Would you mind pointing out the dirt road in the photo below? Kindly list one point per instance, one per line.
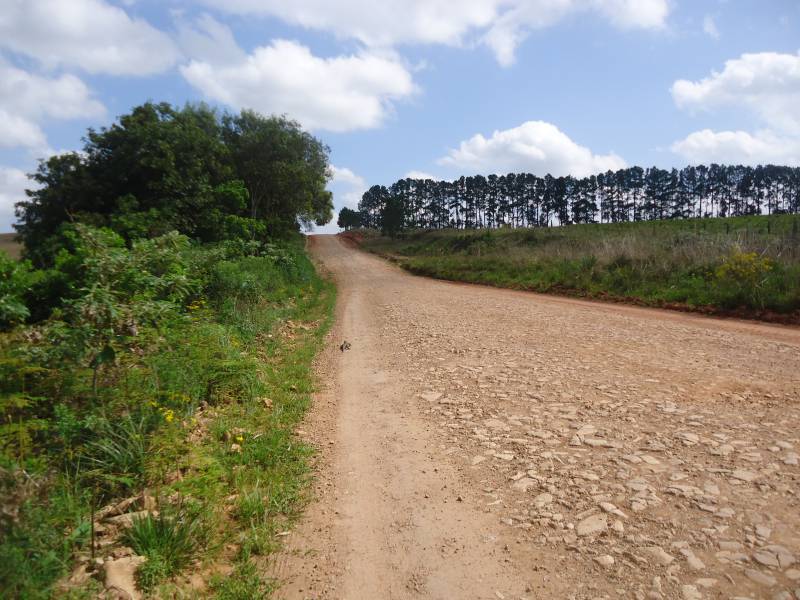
(485, 443)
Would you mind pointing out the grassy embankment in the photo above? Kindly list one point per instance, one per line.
(192, 413)
(747, 266)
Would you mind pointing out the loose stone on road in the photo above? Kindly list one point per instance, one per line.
(486, 443)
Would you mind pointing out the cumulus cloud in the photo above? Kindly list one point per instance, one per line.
(342, 93)
(26, 99)
(739, 147)
(535, 146)
(500, 24)
(766, 84)
(89, 34)
(13, 183)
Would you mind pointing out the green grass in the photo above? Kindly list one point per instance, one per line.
(235, 369)
(746, 265)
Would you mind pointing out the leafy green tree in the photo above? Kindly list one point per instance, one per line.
(284, 168)
(161, 169)
(349, 218)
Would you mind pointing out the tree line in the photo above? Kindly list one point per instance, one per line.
(527, 200)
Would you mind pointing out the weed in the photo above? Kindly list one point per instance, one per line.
(243, 584)
(169, 542)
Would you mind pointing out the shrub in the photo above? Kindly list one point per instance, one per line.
(169, 542)
(15, 279)
(742, 276)
(114, 460)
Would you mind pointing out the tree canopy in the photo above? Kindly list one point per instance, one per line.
(191, 170)
(349, 218)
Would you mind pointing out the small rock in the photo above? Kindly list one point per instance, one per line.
(706, 582)
(612, 509)
(744, 475)
(690, 592)
(658, 554)
(120, 575)
(592, 525)
(774, 556)
(604, 560)
(688, 438)
(760, 578)
(695, 564)
(524, 484)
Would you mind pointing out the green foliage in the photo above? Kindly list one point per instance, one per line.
(745, 263)
(15, 279)
(34, 549)
(745, 275)
(349, 218)
(392, 217)
(161, 169)
(168, 541)
(113, 461)
(168, 265)
(214, 341)
(243, 584)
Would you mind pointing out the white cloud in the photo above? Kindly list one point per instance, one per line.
(739, 147)
(766, 84)
(90, 34)
(419, 175)
(210, 41)
(13, 183)
(17, 131)
(26, 99)
(535, 146)
(513, 25)
(501, 24)
(342, 93)
(64, 97)
(347, 187)
(710, 27)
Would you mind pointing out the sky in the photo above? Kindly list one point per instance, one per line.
(420, 88)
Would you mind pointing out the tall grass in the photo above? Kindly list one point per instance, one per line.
(746, 264)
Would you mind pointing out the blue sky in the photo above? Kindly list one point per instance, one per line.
(418, 86)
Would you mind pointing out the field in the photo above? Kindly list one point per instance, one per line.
(748, 266)
(8, 245)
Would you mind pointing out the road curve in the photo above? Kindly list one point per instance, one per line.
(486, 443)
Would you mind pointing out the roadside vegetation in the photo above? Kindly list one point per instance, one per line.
(748, 266)
(156, 342)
